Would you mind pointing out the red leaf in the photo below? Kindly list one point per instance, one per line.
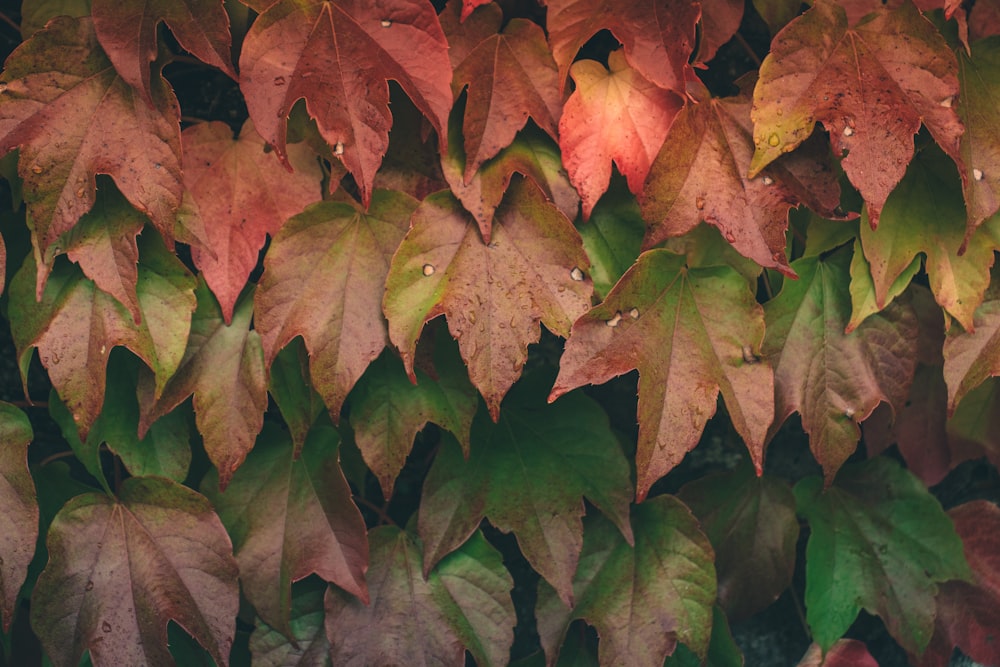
(469, 6)
(844, 653)
(979, 107)
(720, 19)
(19, 521)
(871, 86)
(972, 356)
(339, 56)
(612, 115)
(127, 31)
(241, 194)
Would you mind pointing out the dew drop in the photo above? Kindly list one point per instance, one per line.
(339, 148)
(3, 87)
(634, 313)
(561, 289)
(279, 80)
(730, 236)
(778, 112)
(79, 193)
(472, 317)
(106, 626)
(613, 322)
(848, 131)
(767, 180)
(576, 274)
(749, 356)
(699, 203)
(385, 23)
(89, 586)
(104, 348)
(946, 102)
(977, 174)
(281, 113)
(849, 413)
(773, 140)
(157, 165)
(36, 169)
(428, 269)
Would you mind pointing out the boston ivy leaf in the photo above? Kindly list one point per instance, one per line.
(34, 15)
(242, 194)
(19, 519)
(879, 541)
(74, 117)
(614, 115)
(871, 86)
(324, 277)
(667, 580)
(509, 75)
(843, 653)
(127, 31)
(658, 36)
(465, 601)
(528, 475)
(832, 379)
(495, 295)
(751, 524)
(979, 109)
(412, 164)
(223, 366)
(720, 19)
(339, 56)
(866, 298)
(973, 355)
(974, 427)
(308, 645)
(697, 331)
(120, 569)
(291, 388)
(722, 649)
(612, 237)
(289, 518)
(387, 412)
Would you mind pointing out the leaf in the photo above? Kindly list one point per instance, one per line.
(75, 326)
(387, 412)
(613, 115)
(979, 109)
(843, 653)
(339, 56)
(751, 524)
(973, 428)
(34, 15)
(871, 86)
(242, 194)
(19, 519)
(119, 570)
(324, 277)
(722, 649)
(667, 580)
(878, 541)
(223, 367)
(73, 117)
(865, 297)
(833, 379)
(290, 385)
(924, 214)
(127, 31)
(612, 238)
(528, 475)
(289, 518)
(720, 20)
(308, 646)
(495, 295)
(658, 36)
(508, 76)
(696, 330)
(465, 601)
(972, 356)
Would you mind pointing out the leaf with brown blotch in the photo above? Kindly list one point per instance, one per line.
(291, 517)
(494, 296)
(127, 31)
(73, 117)
(658, 35)
(242, 193)
(979, 108)
(19, 519)
(120, 569)
(871, 86)
(614, 115)
(696, 331)
(324, 278)
(843, 653)
(339, 57)
(508, 76)
(834, 380)
(223, 367)
(464, 603)
(974, 355)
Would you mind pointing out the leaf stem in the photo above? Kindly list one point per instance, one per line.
(749, 50)
(384, 518)
(6, 19)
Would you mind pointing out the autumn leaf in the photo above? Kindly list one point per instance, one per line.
(613, 115)
(887, 543)
(73, 117)
(223, 367)
(508, 76)
(974, 427)
(289, 518)
(871, 86)
(19, 519)
(720, 20)
(494, 296)
(324, 278)
(528, 475)
(242, 193)
(658, 36)
(722, 649)
(612, 237)
(973, 355)
(843, 653)
(120, 569)
(127, 31)
(834, 380)
(308, 646)
(979, 109)
(464, 602)
(290, 385)
(697, 331)
(666, 579)
(338, 56)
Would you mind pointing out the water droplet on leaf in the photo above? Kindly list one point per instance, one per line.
(472, 317)
(730, 236)
(848, 131)
(749, 356)
(428, 269)
(279, 80)
(699, 203)
(613, 322)
(385, 23)
(339, 148)
(977, 174)
(767, 180)
(576, 274)
(946, 102)
(36, 169)
(634, 313)
(773, 140)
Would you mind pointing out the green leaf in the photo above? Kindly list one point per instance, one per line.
(612, 237)
(979, 108)
(290, 386)
(464, 602)
(722, 649)
(308, 645)
(19, 518)
(528, 474)
(973, 355)
(879, 541)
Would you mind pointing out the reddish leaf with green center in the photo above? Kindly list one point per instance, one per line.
(242, 194)
(120, 569)
(495, 295)
(127, 31)
(339, 57)
(871, 86)
(308, 645)
(843, 653)
(979, 108)
(49, 84)
(696, 331)
(19, 520)
(972, 356)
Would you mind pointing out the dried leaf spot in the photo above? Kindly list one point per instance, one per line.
(79, 193)
(977, 174)
(767, 180)
(576, 274)
(634, 313)
(106, 626)
(339, 148)
(428, 269)
(613, 322)
(848, 131)
(385, 23)
(36, 169)
(749, 356)
(699, 203)
(730, 236)
(773, 140)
